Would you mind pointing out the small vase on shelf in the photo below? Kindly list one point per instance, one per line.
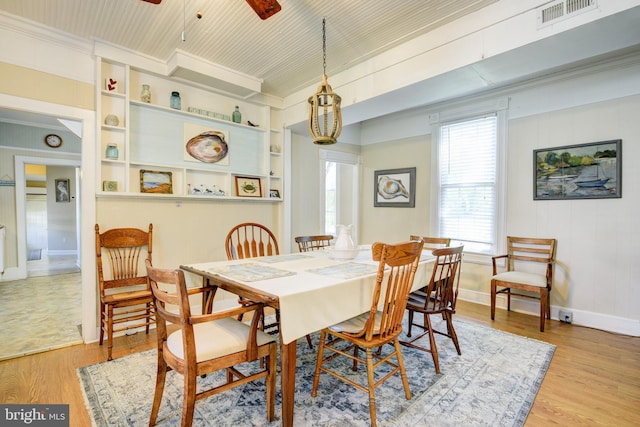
(175, 101)
(112, 152)
(236, 116)
(145, 95)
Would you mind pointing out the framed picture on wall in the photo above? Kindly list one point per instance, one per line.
(158, 182)
(62, 190)
(247, 186)
(395, 188)
(583, 171)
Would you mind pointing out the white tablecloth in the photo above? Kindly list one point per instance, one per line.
(314, 290)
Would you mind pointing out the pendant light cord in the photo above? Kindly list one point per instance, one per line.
(324, 47)
(184, 20)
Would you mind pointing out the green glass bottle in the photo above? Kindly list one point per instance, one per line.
(236, 116)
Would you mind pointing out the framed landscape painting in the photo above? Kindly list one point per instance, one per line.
(584, 171)
(156, 182)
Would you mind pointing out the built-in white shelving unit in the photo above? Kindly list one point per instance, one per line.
(152, 137)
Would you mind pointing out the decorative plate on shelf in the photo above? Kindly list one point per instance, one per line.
(208, 147)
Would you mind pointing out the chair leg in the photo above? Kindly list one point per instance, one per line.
(189, 401)
(354, 368)
(271, 382)
(309, 342)
(403, 372)
(432, 346)
(452, 331)
(543, 308)
(410, 323)
(316, 374)
(161, 375)
(109, 331)
(372, 387)
(548, 293)
(102, 322)
(148, 318)
(493, 299)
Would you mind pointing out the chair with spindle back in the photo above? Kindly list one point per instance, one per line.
(433, 242)
(381, 325)
(439, 297)
(313, 243)
(251, 240)
(125, 296)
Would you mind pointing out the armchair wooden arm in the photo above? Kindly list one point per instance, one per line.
(493, 262)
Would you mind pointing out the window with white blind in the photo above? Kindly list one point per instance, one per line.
(468, 182)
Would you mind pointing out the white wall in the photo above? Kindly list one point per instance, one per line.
(598, 240)
(187, 230)
(306, 210)
(387, 224)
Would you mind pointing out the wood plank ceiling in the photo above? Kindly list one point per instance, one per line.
(284, 50)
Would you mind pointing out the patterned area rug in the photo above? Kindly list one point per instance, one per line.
(493, 383)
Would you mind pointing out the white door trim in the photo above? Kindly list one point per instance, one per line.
(87, 197)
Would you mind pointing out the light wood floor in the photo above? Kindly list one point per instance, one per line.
(593, 380)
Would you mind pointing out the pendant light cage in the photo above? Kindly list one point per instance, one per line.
(325, 117)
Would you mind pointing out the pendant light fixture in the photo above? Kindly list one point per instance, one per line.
(325, 117)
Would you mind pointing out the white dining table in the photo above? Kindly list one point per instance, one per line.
(312, 290)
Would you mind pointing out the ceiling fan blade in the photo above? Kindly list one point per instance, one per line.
(153, 1)
(265, 8)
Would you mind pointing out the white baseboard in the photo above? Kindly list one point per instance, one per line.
(62, 252)
(10, 273)
(605, 322)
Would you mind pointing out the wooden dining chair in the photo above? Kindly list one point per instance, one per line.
(523, 255)
(250, 240)
(439, 297)
(432, 242)
(206, 343)
(313, 243)
(125, 296)
(379, 326)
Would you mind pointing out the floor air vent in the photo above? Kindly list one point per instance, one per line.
(563, 9)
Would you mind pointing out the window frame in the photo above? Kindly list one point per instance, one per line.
(499, 108)
(348, 159)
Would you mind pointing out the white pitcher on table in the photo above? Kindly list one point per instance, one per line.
(344, 240)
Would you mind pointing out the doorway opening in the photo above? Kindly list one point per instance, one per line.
(85, 164)
(339, 191)
(51, 228)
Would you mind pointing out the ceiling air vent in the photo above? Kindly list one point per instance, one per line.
(563, 9)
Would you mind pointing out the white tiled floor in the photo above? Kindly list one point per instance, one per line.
(52, 264)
